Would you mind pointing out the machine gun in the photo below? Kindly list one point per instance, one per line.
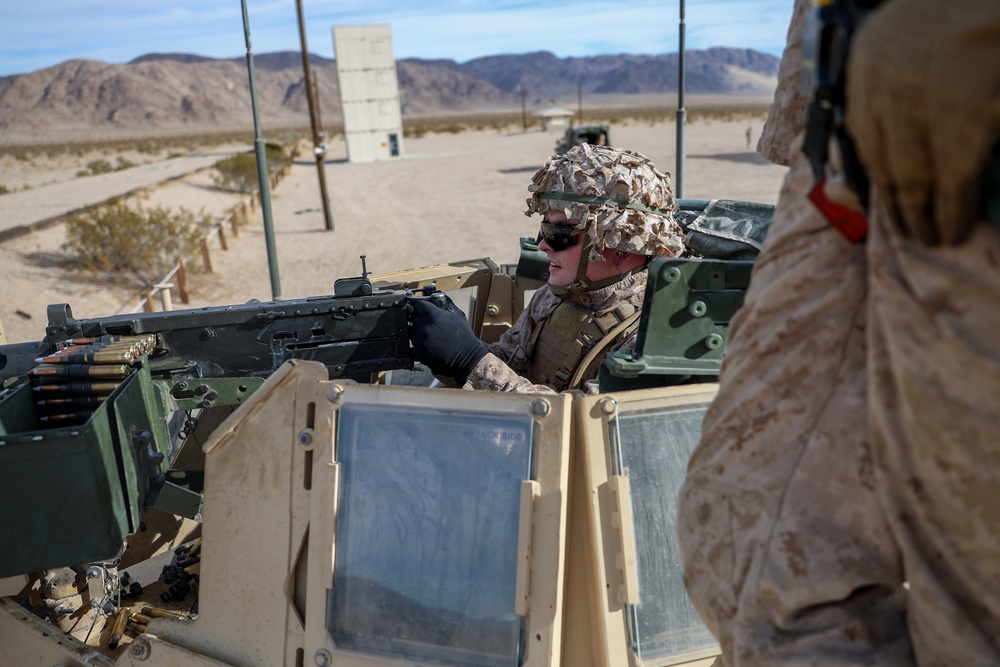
(354, 332)
(106, 433)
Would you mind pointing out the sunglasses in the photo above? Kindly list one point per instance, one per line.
(559, 237)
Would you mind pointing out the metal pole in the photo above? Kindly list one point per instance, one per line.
(524, 111)
(262, 175)
(681, 115)
(319, 148)
(579, 102)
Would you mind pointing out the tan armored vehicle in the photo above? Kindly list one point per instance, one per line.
(256, 485)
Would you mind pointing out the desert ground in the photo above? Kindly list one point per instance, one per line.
(453, 197)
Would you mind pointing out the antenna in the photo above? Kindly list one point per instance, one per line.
(681, 115)
(262, 175)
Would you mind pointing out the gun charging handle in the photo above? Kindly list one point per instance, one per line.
(431, 293)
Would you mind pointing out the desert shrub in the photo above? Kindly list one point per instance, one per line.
(94, 167)
(239, 172)
(102, 166)
(144, 243)
(4, 189)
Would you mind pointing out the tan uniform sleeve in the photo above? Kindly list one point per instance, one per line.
(787, 115)
(492, 374)
(923, 91)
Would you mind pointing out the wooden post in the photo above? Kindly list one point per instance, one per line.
(232, 223)
(182, 288)
(222, 238)
(147, 302)
(205, 256)
(165, 296)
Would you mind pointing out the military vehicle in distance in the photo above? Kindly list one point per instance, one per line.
(577, 135)
(255, 484)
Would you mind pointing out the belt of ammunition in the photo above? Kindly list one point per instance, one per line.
(135, 628)
(139, 618)
(77, 401)
(164, 613)
(119, 627)
(103, 356)
(78, 387)
(116, 371)
(81, 416)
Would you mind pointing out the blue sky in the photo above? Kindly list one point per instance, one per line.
(34, 35)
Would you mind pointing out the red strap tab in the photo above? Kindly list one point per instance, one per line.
(849, 222)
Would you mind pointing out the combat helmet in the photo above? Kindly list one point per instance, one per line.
(619, 198)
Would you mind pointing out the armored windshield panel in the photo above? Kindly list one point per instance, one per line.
(637, 446)
(430, 526)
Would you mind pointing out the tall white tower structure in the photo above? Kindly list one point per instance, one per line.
(369, 92)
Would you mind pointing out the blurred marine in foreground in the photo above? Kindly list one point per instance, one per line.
(852, 446)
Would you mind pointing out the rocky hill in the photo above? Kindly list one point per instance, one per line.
(163, 91)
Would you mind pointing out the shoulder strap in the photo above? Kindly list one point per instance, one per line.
(601, 345)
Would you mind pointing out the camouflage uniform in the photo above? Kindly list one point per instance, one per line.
(786, 552)
(787, 115)
(500, 369)
(929, 73)
(853, 443)
(619, 201)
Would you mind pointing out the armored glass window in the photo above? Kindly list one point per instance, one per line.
(651, 448)
(427, 533)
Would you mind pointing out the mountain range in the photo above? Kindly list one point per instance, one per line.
(169, 90)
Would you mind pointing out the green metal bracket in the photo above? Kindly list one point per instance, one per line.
(192, 393)
(684, 325)
(176, 499)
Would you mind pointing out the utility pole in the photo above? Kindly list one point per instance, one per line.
(524, 112)
(681, 115)
(579, 102)
(319, 148)
(262, 175)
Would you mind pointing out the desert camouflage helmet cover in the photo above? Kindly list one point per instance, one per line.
(618, 196)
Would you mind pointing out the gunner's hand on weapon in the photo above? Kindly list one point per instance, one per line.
(923, 111)
(434, 295)
(442, 337)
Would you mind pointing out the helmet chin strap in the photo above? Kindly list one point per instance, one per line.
(583, 284)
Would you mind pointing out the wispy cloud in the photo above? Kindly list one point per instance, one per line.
(37, 35)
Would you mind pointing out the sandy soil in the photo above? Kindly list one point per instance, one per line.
(455, 196)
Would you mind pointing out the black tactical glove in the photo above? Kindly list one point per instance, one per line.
(443, 340)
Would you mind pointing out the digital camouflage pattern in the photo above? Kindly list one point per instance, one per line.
(618, 196)
(498, 370)
(930, 74)
(931, 112)
(787, 555)
(840, 507)
(787, 115)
